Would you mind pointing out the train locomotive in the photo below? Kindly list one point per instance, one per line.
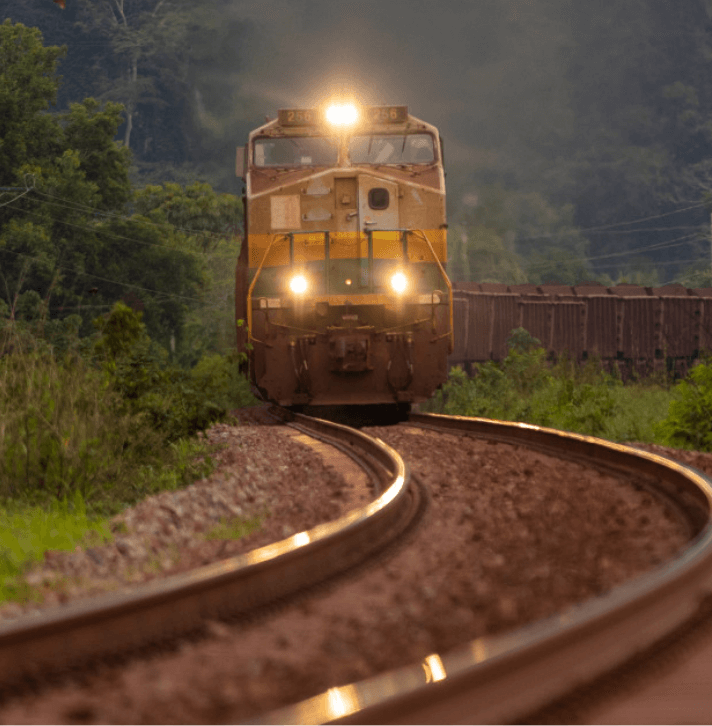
(341, 292)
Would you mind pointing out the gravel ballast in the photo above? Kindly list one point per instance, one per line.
(262, 476)
(508, 536)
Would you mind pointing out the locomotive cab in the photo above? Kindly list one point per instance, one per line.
(341, 279)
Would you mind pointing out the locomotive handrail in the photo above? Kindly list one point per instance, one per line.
(451, 346)
(404, 241)
(289, 236)
(254, 280)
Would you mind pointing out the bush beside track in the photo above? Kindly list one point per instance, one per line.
(584, 399)
(90, 426)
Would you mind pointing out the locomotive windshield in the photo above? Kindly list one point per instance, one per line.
(392, 149)
(363, 149)
(297, 151)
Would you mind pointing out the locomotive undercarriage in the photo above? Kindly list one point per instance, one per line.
(350, 354)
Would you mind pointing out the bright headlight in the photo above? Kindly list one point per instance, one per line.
(399, 282)
(298, 284)
(342, 114)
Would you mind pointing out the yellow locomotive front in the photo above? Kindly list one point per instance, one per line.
(341, 278)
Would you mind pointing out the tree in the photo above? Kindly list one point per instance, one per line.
(512, 236)
(610, 122)
(642, 129)
(153, 62)
(28, 87)
(210, 225)
(69, 244)
(141, 35)
(90, 131)
(486, 258)
(67, 164)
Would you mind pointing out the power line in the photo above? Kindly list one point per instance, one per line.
(645, 219)
(678, 242)
(106, 232)
(99, 212)
(609, 227)
(652, 229)
(28, 188)
(669, 262)
(103, 279)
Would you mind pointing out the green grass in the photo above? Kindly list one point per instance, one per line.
(27, 532)
(234, 528)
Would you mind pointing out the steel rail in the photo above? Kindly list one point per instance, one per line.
(78, 632)
(502, 678)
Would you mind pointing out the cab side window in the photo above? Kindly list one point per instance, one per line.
(378, 198)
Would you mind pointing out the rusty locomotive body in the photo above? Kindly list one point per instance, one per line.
(633, 329)
(341, 279)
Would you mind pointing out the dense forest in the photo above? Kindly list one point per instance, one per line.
(578, 140)
(81, 227)
(601, 165)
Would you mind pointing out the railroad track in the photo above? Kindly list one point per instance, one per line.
(491, 679)
(62, 638)
(500, 679)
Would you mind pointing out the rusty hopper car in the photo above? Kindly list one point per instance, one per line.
(629, 328)
(341, 278)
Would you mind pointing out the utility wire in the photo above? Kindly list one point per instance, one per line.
(679, 241)
(114, 215)
(205, 233)
(4, 204)
(669, 262)
(106, 232)
(652, 229)
(609, 227)
(103, 279)
(28, 189)
(605, 228)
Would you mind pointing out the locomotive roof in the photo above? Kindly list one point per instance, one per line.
(411, 124)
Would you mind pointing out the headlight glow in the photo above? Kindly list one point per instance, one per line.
(342, 114)
(298, 284)
(399, 282)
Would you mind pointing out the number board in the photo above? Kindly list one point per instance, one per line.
(298, 117)
(387, 114)
(373, 114)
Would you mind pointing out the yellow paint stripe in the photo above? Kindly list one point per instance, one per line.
(345, 245)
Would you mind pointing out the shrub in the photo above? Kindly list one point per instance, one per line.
(498, 391)
(219, 377)
(565, 395)
(62, 430)
(109, 421)
(581, 407)
(689, 420)
(176, 402)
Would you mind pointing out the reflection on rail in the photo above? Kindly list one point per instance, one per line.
(542, 661)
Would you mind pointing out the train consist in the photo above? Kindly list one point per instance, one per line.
(635, 329)
(341, 282)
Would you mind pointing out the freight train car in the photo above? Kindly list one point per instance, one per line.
(631, 328)
(341, 277)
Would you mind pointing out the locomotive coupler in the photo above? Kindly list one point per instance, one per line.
(350, 349)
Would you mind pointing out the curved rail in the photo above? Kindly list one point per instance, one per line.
(114, 623)
(497, 679)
